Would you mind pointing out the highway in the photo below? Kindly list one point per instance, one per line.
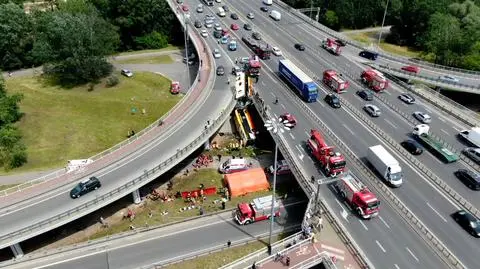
(56, 201)
(367, 233)
(432, 208)
(166, 244)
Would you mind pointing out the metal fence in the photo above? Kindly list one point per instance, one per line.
(160, 127)
(361, 46)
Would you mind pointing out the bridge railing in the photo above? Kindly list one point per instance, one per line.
(159, 127)
(361, 46)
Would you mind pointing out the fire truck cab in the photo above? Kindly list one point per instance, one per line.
(335, 81)
(259, 209)
(333, 163)
(374, 79)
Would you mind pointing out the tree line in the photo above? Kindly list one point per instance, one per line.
(447, 31)
(72, 40)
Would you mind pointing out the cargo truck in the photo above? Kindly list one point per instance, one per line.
(420, 133)
(304, 85)
(386, 165)
(260, 48)
(259, 209)
(472, 137)
(358, 196)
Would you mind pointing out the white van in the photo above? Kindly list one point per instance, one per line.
(221, 12)
(275, 15)
(233, 165)
(268, 2)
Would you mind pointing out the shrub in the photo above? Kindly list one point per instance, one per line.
(112, 81)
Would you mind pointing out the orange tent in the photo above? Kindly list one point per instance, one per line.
(248, 181)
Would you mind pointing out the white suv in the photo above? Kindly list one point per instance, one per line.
(276, 51)
(422, 117)
(372, 110)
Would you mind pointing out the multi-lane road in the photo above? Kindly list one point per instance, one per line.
(419, 195)
(168, 244)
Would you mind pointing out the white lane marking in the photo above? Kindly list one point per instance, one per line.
(389, 122)
(263, 83)
(291, 135)
(428, 110)
(396, 266)
(363, 224)
(346, 127)
(456, 129)
(387, 92)
(272, 94)
(320, 102)
(442, 119)
(337, 250)
(283, 106)
(384, 222)
(307, 132)
(436, 212)
(380, 246)
(275, 115)
(444, 132)
(411, 253)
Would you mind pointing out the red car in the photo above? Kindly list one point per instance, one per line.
(411, 68)
(234, 26)
(289, 118)
(185, 8)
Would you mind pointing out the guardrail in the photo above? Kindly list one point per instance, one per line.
(361, 46)
(303, 180)
(6, 240)
(437, 81)
(160, 126)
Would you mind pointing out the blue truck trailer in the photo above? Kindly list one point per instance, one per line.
(302, 83)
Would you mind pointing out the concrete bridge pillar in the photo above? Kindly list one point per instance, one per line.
(17, 250)
(136, 196)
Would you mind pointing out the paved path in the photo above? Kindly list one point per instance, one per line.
(175, 71)
(366, 30)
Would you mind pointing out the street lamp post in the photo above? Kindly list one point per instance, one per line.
(185, 21)
(383, 22)
(274, 126)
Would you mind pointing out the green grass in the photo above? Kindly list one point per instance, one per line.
(221, 258)
(4, 187)
(368, 37)
(169, 47)
(207, 176)
(63, 124)
(158, 59)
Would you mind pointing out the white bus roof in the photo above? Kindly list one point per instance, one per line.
(295, 70)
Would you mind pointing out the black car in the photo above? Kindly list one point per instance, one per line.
(365, 95)
(256, 36)
(468, 222)
(247, 27)
(264, 9)
(299, 47)
(469, 178)
(234, 16)
(412, 146)
(472, 153)
(220, 70)
(85, 186)
(332, 100)
(369, 55)
(407, 98)
(341, 42)
(198, 24)
(225, 8)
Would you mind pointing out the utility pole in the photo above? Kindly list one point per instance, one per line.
(383, 22)
(185, 21)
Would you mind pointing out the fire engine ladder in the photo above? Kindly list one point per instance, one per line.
(357, 184)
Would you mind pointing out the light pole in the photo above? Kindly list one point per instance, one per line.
(274, 126)
(383, 22)
(185, 21)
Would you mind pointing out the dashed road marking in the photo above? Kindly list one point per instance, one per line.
(363, 224)
(389, 122)
(413, 255)
(384, 222)
(380, 246)
(436, 212)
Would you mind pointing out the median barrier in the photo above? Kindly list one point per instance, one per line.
(361, 46)
(159, 128)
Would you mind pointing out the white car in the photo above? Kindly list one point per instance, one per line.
(218, 1)
(216, 53)
(127, 73)
(250, 15)
(422, 117)
(204, 33)
(372, 110)
(276, 51)
(217, 27)
(448, 78)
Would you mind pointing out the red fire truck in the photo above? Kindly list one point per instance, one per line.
(374, 79)
(332, 46)
(259, 209)
(260, 48)
(335, 81)
(332, 163)
(357, 195)
(253, 66)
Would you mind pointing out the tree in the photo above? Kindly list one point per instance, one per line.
(16, 39)
(331, 19)
(443, 38)
(75, 45)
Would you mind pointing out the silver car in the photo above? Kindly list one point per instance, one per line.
(372, 110)
(422, 117)
(448, 78)
(216, 53)
(472, 153)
